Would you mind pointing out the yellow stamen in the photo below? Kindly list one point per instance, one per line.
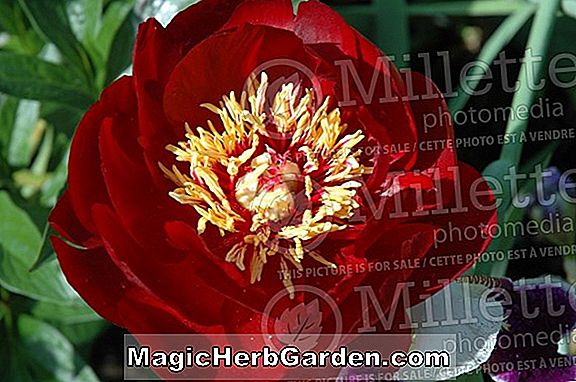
(235, 177)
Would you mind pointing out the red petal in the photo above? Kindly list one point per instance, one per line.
(328, 34)
(85, 182)
(212, 69)
(201, 302)
(455, 194)
(64, 221)
(144, 207)
(157, 52)
(278, 14)
(434, 143)
(468, 249)
(116, 296)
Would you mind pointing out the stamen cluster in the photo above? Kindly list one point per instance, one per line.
(281, 172)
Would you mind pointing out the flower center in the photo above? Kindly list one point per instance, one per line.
(282, 173)
(269, 190)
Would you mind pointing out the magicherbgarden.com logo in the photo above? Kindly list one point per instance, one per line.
(196, 362)
(481, 315)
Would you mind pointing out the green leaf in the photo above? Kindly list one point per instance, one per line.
(296, 3)
(40, 165)
(5, 352)
(19, 245)
(46, 252)
(53, 187)
(7, 19)
(57, 29)
(5, 173)
(100, 44)
(32, 180)
(472, 377)
(569, 8)
(566, 210)
(45, 284)
(380, 20)
(7, 119)
(113, 19)
(495, 174)
(32, 78)
(25, 133)
(84, 333)
(76, 313)
(122, 47)
(18, 234)
(21, 38)
(542, 158)
(48, 354)
(16, 370)
(63, 118)
(497, 170)
(538, 43)
(84, 17)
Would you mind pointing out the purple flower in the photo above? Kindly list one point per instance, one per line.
(546, 198)
(539, 313)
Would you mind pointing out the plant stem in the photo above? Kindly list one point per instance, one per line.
(493, 46)
(467, 8)
(392, 29)
(472, 8)
(6, 312)
(538, 42)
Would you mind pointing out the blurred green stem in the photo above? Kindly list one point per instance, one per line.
(530, 73)
(470, 8)
(4, 295)
(493, 46)
(467, 8)
(5, 309)
(392, 20)
(22, 32)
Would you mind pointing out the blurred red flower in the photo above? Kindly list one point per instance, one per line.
(316, 162)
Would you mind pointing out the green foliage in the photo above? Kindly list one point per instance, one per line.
(538, 42)
(32, 78)
(20, 242)
(58, 56)
(569, 8)
(508, 212)
(495, 44)
(473, 377)
(467, 8)
(42, 353)
(57, 29)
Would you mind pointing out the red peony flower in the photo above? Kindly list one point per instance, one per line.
(251, 152)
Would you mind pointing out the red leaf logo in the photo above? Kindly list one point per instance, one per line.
(300, 326)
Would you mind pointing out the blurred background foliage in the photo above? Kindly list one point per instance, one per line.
(56, 56)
